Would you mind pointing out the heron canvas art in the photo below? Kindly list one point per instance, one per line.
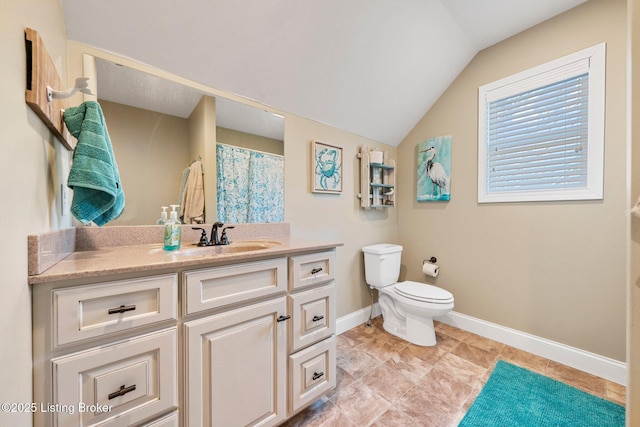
(434, 169)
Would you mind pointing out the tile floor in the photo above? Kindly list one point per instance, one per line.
(385, 381)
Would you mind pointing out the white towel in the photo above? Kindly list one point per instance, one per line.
(192, 203)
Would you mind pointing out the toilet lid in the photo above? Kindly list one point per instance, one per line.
(423, 292)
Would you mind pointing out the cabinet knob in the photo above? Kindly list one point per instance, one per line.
(283, 318)
(317, 318)
(316, 270)
(317, 375)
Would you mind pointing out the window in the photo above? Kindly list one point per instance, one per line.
(541, 132)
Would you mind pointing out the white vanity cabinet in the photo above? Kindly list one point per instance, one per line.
(243, 343)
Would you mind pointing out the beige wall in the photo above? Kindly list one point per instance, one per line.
(552, 269)
(32, 164)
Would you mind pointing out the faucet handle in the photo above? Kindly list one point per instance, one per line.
(224, 240)
(203, 237)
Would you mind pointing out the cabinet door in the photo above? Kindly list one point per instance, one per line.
(236, 367)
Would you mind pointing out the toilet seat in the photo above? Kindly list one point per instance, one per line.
(423, 292)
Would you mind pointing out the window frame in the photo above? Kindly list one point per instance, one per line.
(545, 74)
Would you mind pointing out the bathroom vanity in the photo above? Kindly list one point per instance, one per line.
(130, 335)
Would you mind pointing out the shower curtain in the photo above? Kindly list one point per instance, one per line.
(250, 185)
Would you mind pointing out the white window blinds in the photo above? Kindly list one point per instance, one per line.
(538, 139)
(541, 132)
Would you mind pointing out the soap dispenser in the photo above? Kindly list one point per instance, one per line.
(163, 216)
(172, 231)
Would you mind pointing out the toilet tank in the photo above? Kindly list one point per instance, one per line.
(382, 264)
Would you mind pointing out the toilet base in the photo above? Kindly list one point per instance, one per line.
(417, 330)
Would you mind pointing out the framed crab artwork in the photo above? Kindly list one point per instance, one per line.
(326, 176)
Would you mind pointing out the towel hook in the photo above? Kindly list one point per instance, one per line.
(81, 85)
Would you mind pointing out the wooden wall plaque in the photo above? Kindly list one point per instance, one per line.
(41, 72)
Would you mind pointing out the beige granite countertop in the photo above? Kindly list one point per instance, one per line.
(78, 260)
(139, 258)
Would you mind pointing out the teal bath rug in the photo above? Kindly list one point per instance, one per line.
(515, 396)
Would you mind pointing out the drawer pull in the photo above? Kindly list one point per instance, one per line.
(317, 375)
(122, 309)
(283, 318)
(316, 270)
(317, 318)
(123, 390)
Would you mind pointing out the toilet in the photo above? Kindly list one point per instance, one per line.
(408, 308)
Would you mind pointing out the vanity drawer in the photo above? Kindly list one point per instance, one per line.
(312, 372)
(221, 286)
(120, 384)
(310, 270)
(91, 311)
(313, 316)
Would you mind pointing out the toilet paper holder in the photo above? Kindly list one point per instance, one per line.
(431, 260)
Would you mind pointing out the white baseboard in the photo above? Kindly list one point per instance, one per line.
(356, 318)
(604, 367)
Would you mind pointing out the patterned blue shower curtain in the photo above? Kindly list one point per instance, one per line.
(250, 185)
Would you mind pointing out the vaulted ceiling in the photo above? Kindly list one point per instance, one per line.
(371, 67)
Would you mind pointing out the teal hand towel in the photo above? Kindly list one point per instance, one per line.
(94, 176)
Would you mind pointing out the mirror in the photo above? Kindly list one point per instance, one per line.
(158, 128)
